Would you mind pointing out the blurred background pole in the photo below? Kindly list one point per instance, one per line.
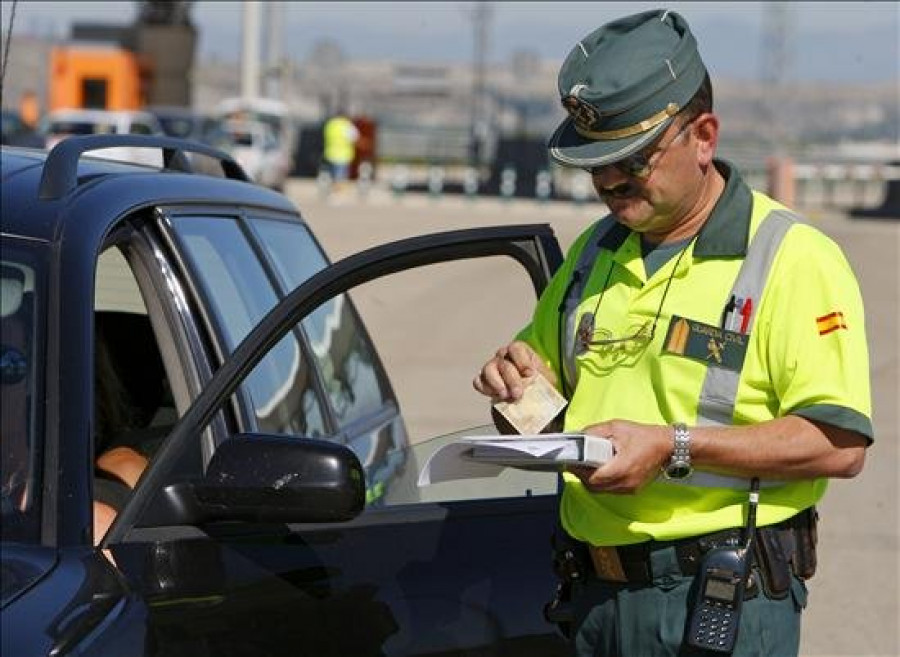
(250, 68)
(776, 63)
(481, 14)
(274, 45)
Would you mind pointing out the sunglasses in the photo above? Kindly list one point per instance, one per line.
(641, 164)
(587, 337)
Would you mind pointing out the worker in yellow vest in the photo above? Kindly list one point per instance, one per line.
(718, 342)
(341, 136)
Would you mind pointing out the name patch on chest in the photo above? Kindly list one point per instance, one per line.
(706, 343)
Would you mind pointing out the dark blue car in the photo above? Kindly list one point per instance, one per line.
(194, 322)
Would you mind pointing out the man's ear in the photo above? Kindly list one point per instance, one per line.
(706, 132)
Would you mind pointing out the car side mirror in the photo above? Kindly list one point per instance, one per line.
(266, 478)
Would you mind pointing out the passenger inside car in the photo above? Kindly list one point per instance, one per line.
(117, 466)
(134, 410)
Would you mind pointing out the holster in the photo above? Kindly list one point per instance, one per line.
(773, 562)
(805, 539)
(786, 548)
(569, 564)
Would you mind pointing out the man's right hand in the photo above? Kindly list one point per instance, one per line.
(504, 377)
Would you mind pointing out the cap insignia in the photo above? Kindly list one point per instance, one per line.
(586, 116)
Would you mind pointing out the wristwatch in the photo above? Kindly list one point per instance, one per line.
(679, 466)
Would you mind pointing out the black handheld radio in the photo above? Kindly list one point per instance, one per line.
(722, 581)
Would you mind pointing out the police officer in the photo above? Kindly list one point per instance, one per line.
(709, 333)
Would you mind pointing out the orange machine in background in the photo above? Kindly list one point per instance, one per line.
(97, 78)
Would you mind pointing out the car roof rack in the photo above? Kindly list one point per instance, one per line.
(60, 173)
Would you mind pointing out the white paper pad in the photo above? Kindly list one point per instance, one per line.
(553, 452)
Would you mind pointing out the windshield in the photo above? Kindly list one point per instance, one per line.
(19, 484)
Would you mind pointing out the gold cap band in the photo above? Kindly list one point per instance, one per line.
(629, 131)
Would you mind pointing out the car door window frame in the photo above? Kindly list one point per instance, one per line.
(533, 246)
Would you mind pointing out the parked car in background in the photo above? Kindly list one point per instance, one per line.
(59, 124)
(274, 113)
(254, 145)
(186, 123)
(197, 320)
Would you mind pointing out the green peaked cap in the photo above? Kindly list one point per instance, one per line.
(622, 85)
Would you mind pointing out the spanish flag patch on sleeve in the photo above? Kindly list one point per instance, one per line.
(830, 322)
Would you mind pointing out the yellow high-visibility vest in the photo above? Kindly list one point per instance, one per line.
(340, 137)
(806, 354)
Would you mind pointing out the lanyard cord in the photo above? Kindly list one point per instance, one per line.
(752, 503)
(665, 293)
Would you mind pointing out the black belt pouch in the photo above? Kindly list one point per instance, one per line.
(805, 539)
(774, 563)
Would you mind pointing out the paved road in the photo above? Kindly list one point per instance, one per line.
(854, 599)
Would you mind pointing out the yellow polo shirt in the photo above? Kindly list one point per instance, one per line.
(806, 355)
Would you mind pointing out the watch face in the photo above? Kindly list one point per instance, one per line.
(679, 470)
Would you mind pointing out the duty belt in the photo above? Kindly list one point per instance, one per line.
(631, 563)
(794, 539)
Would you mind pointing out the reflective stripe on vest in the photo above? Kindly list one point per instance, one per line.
(569, 306)
(719, 391)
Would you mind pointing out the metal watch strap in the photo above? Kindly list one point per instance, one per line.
(680, 464)
(681, 437)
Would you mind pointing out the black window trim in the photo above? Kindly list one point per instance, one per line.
(206, 343)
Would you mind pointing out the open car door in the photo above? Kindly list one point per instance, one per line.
(273, 550)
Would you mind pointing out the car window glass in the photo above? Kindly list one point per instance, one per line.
(19, 369)
(345, 357)
(240, 294)
(433, 334)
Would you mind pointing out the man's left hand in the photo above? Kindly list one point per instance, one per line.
(641, 450)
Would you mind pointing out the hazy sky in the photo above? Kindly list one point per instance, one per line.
(834, 41)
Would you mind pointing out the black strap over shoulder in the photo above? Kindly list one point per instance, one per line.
(110, 490)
